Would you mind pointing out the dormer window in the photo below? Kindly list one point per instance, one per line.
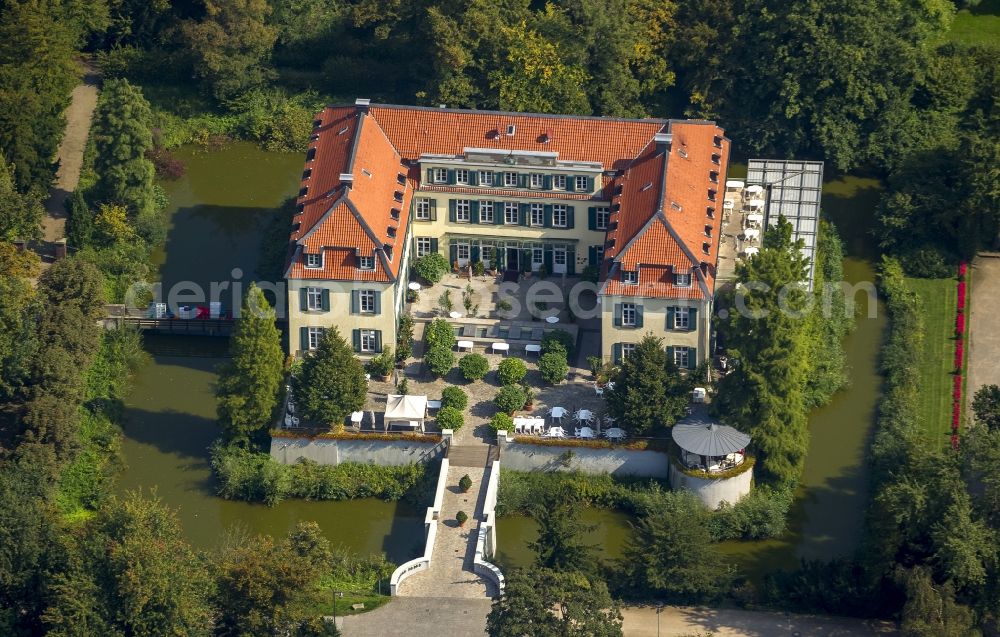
(398, 196)
(535, 180)
(311, 154)
(706, 248)
(581, 184)
(314, 260)
(708, 231)
(366, 263)
(559, 182)
(717, 141)
(510, 180)
(630, 277)
(711, 194)
(710, 212)
(401, 179)
(485, 178)
(713, 176)
(440, 175)
(716, 158)
(394, 213)
(682, 280)
(462, 177)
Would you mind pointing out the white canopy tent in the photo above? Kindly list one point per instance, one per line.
(405, 411)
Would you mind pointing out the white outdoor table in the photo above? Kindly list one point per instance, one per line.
(755, 217)
(414, 286)
(356, 417)
(533, 347)
(734, 183)
(614, 432)
(464, 345)
(755, 189)
(501, 347)
(455, 315)
(753, 204)
(584, 414)
(433, 404)
(751, 250)
(751, 234)
(552, 319)
(555, 432)
(728, 204)
(558, 412)
(586, 432)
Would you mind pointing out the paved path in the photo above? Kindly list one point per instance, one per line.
(679, 620)
(984, 326)
(78, 117)
(419, 616)
(451, 573)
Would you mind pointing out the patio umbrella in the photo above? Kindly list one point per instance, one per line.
(706, 437)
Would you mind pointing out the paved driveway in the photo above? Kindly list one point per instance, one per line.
(984, 330)
(420, 616)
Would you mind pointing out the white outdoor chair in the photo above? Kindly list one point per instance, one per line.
(576, 432)
(598, 390)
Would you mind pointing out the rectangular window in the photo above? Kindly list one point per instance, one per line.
(485, 212)
(681, 356)
(681, 316)
(367, 299)
(510, 179)
(537, 258)
(627, 350)
(535, 180)
(510, 212)
(367, 340)
(581, 184)
(315, 335)
(463, 210)
(423, 246)
(462, 177)
(537, 214)
(628, 314)
(366, 263)
(602, 218)
(463, 252)
(486, 254)
(631, 277)
(314, 260)
(599, 253)
(559, 216)
(559, 259)
(440, 175)
(559, 182)
(423, 209)
(682, 280)
(314, 298)
(485, 178)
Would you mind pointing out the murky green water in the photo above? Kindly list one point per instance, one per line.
(514, 533)
(826, 518)
(218, 210)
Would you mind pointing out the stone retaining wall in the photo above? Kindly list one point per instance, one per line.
(431, 518)
(713, 492)
(334, 451)
(524, 456)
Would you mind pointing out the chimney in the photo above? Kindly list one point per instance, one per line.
(362, 104)
(663, 141)
(347, 179)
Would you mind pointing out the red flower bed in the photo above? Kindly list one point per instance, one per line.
(956, 394)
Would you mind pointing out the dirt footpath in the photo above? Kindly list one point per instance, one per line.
(682, 621)
(984, 326)
(78, 118)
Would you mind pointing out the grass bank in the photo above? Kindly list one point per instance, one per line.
(977, 26)
(935, 358)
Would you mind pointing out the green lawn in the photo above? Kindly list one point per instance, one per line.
(938, 356)
(981, 25)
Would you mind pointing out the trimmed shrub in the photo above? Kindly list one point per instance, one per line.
(553, 367)
(501, 421)
(454, 397)
(558, 337)
(465, 483)
(462, 517)
(510, 398)
(511, 371)
(473, 366)
(440, 332)
(450, 418)
(439, 360)
(431, 267)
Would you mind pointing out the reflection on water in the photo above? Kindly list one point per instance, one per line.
(515, 532)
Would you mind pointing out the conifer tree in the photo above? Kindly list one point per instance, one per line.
(332, 382)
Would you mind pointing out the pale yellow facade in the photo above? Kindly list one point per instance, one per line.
(668, 319)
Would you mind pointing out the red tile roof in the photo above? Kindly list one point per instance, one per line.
(377, 144)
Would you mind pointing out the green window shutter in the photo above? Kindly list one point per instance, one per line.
(356, 337)
(616, 354)
(434, 245)
(434, 210)
(547, 258)
(592, 218)
(474, 253)
(570, 216)
(473, 177)
(303, 299)
(670, 317)
(590, 184)
(304, 339)
(451, 210)
(547, 208)
(474, 211)
(451, 176)
(693, 319)
(498, 213)
(522, 180)
(617, 319)
(570, 183)
(498, 180)
(526, 260)
(547, 182)
(378, 341)
(592, 255)
(524, 214)
(571, 261)
(378, 303)
(430, 175)
(326, 300)
(670, 354)
(692, 357)
(638, 316)
(355, 301)
(452, 254)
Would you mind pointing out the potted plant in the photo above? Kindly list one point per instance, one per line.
(465, 483)
(478, 268)
(529, 398)
(381, 365)
(462, 517)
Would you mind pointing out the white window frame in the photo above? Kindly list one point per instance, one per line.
(559, 182)
(508, 208)
(315, 335)
(423, 246)
(627, 350)
(580, 183)
(682, 279)
(560, 216)
(536, 180)
(536, 216)
(462, 176)
(314, 298)
(463, 248)
(366, 263)
(599, 253)
(537, 258)
(629, 314)
(510, 180)
(368, 340)
(314, 261)
(682, 318)
(630, 277)
(602, 214)
(463, 210)
(440, 175)
(560, 259)
(485, 178)
(486, 212)
(486, 253)
(422, 209)
(366, 301)
(682, 357)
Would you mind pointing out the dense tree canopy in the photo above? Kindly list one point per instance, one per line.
(331, 383)
(649, 391)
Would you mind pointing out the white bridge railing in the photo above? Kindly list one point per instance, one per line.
(423, 562)
(486, 543)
